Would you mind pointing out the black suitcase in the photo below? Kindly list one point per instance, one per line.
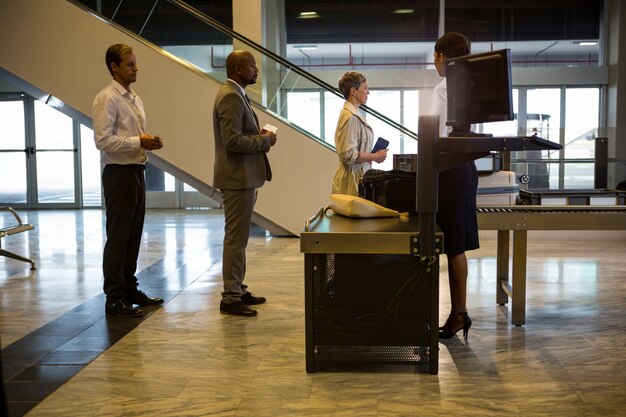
(393, 189)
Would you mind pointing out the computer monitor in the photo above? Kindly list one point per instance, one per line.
(479, 90)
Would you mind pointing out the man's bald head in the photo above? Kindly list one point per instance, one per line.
(241, 67)
(235, 58)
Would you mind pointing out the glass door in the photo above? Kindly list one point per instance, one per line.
(13, 150)
(55, 158)
(38, 156)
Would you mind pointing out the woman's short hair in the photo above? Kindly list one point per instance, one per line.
(348, 80)
(115, 54)
(452, 45)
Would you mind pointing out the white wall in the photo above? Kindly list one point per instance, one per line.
(60, 48)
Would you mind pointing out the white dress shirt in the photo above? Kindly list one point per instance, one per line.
(118, 121)
(439, 107)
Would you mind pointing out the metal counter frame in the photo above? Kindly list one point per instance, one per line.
(328, 233)
(520, 221)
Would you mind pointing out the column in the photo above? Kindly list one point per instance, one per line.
(615, 17)
(262, 21)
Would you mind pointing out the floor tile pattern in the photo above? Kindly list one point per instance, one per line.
(62, 356)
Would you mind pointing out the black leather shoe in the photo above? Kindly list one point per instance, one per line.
(122, 308)
(237, 309)
(140, 298)
(250, 299)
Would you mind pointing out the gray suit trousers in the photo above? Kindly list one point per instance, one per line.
(238, 208)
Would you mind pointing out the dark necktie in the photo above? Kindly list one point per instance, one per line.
(256, 120)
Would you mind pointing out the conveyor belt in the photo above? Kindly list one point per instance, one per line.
(520, 219)
(552, 218)
(552, 209)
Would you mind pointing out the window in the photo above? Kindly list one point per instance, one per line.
(332, 105)
(90, 169)
(582, 111)
(402, 106)
(566, 115)
(304, 110)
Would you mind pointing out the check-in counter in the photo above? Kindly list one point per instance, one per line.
(370, 297)
(372, 285)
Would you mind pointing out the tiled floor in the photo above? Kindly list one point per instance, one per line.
(62, 356)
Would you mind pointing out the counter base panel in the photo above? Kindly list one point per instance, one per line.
(375, 308)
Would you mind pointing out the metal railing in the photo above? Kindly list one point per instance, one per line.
(277, 81)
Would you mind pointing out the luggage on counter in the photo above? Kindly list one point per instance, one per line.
(396, 189)
(393, 189)
(497, 189)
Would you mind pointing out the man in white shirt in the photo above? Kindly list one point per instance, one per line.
(119, 129)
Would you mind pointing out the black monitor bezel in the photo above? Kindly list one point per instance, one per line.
(461, 116)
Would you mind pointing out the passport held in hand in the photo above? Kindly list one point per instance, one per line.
(380, 144)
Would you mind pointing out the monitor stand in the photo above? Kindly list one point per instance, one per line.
(463, 131)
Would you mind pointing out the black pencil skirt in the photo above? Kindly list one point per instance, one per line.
(456, 213)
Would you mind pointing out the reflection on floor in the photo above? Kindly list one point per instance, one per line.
(62, 356)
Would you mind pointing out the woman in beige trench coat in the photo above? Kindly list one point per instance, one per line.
(354, 137)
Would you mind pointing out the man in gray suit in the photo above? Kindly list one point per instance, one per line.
(241, 167)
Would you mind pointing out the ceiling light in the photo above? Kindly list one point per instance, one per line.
(305, 47)
(308, 15)
(403, 11)
(586, 43)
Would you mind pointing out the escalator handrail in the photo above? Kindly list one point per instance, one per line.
(225, 29)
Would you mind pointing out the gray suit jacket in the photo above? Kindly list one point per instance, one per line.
(240, 151)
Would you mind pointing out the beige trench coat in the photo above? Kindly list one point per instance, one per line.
(353, 134)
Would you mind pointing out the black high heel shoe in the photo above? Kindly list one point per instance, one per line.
(447, 331)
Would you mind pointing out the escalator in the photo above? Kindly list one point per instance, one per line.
(57, 48)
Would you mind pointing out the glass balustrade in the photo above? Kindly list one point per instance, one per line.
(203, 43)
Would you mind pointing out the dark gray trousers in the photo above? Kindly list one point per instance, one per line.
(238, 208)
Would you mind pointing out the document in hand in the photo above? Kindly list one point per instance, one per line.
(270, 128)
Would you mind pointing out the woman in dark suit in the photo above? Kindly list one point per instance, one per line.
(456, 214)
